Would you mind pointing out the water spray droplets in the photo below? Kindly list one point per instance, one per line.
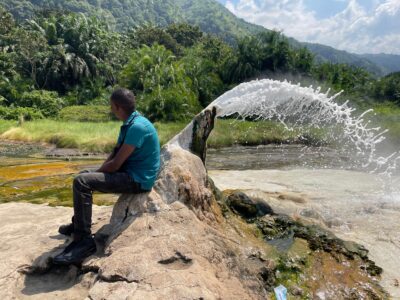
(295, 106)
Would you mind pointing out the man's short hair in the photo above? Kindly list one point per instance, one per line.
(125, 99)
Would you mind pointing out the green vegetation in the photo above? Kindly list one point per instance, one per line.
(98, 137)
(101, 136)
(388, 88)
(25, 113)
(166, 131)
(86, 113)
(6, 125)
(209, 15)
(163, 86)
(63, 66)
(88, 136)
(56, 60)
(387, 115)
(48, 103)
(233, 132)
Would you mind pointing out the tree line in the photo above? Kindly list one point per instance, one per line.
(59, 59)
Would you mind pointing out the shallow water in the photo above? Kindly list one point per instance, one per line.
(37, 179)
(275, 156)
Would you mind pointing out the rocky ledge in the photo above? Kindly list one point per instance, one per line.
(172, 254)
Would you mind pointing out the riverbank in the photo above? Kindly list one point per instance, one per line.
(101, 137)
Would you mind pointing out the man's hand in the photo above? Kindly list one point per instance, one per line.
(114, 164)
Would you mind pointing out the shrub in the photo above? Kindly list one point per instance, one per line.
(28, 113)
(170, 104)
(89, 113)
(47, 102)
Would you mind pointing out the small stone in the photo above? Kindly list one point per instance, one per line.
(296, 291)
(247, 207)
(268, 276)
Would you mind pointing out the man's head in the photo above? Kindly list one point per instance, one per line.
(123, 103)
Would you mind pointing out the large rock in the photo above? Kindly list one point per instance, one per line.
(168, 254)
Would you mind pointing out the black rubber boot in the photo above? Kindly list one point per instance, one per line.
(76, 252)
(67, 229)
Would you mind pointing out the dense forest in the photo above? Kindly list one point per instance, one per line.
(59, 59)
(209, 15)
(121, 15)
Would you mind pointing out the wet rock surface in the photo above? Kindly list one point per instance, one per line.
(308, 252)
(247, 207)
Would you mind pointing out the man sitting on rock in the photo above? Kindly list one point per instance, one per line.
(131, 168)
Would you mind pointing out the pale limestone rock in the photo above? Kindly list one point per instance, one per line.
(171, 255)
(166, 244)
(29, 240)
(167, 254)
(111, 290)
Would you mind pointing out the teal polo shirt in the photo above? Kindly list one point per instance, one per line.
(144, 162)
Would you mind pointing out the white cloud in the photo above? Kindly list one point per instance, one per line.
(355, 29)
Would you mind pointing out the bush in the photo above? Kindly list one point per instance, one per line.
(89, 113)
(47, 102)
(28, 113)
(171, 104)
(90, 92)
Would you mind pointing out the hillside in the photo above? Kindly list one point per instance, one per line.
(325, 53)
(209, 15)
(390, 62)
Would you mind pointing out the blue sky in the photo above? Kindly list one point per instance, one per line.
(359, 26)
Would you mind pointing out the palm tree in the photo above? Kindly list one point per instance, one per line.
(149, 68)
(77, 49)
(245, 61)
(274, 51)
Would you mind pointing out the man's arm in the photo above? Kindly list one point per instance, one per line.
(110, 156)
(112, 165)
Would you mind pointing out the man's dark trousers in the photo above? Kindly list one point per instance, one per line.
(83, 187)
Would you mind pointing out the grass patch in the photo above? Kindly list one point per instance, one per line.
(101, 137)
(167, 131)
(388, 117)
(233, 132)
(6, 125)
(86, 113)
(96, 137)
(87, 136)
